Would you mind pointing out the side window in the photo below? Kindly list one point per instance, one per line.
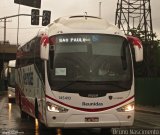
(40, 67)
(37, 60)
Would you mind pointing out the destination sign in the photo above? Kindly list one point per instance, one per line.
(73, 40)
(76, 38)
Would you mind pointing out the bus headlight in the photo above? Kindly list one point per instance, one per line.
(126, 108)
(55, 108)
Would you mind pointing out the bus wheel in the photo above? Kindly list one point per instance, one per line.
(9, 100)
(23, 114)
(36, 110)
(41, 125)
(106, 131)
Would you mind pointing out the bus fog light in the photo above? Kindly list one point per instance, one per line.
(55, 108)
(9, 95)
(129, 116)
(126, 108)
(53, 117)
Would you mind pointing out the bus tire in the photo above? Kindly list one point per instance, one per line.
(36, 109)
(22, 113)
(9, 100)
(41, 125)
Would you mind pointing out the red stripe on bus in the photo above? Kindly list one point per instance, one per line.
(88, 109)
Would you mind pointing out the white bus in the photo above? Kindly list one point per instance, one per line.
(10, 76)
(78, 72)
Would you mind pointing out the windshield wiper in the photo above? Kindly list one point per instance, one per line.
(62, 88)
(70, 83)
(115, 84)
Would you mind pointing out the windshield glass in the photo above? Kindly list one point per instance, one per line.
(93, 62)
(11, 78)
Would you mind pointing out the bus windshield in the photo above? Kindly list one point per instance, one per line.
(89, 62)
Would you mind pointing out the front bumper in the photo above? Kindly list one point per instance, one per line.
(78, 120)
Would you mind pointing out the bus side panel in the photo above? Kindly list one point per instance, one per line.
(30, 91)
(28, 81)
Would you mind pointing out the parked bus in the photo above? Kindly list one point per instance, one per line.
(78, 72)
(10, 78)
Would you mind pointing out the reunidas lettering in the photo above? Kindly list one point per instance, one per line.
(92, 104)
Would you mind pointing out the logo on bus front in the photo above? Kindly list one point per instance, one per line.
(92, 104)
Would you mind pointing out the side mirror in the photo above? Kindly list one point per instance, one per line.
(138, 53)
(138, 48)
(44, 47)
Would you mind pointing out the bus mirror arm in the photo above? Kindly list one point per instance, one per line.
(44, 47)
(138, 47)
(138, 54)
(44, 52)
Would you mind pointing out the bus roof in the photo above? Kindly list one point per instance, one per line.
(80, 24)
(12, 63)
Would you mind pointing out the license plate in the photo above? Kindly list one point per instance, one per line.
(91, 119)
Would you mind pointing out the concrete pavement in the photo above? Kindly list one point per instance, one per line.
(148, 109)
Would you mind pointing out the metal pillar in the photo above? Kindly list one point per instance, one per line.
(4, 31)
